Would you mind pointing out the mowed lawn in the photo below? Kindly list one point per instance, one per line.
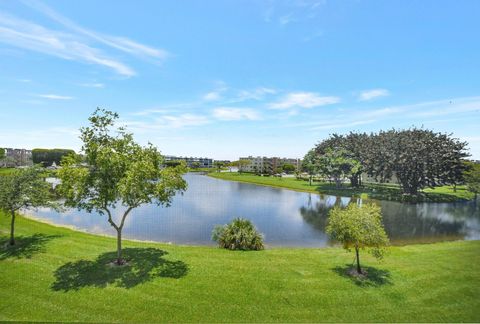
(56, 274)
(370, 190)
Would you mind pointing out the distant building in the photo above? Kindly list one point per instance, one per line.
(204, 162)
(267, 165)
(16, 157)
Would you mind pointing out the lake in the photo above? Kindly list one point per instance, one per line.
(285, 217)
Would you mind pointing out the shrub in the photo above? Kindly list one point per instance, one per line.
(240, 234)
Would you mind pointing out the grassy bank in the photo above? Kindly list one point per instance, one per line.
(374, 191)
(56, 274)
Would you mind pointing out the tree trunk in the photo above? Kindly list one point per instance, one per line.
(310, 180)
(12, 229)
(119, 247)
(359, 270)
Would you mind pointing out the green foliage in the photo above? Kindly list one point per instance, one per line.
(23, 188)
(472, 177)
(2, 153)
(337, 164)
(196, 165)
(174, 163)
(240, 234)
(118, 172)
(218, 165)
(46, 157)
(288, 168)
(418, 158)
(359, 227)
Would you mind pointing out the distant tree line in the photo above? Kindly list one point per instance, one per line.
(46, 157)
(416, 157)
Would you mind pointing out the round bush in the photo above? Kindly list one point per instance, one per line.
(240, 234)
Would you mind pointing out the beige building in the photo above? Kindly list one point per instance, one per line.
(267, 165)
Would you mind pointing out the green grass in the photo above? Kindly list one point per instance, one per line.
(56, 274)
(374, 191)
(5, 171)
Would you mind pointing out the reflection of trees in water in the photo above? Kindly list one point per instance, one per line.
(411, 222)
(317, 214)
(420, 222)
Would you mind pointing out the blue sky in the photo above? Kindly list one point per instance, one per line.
(232, 78)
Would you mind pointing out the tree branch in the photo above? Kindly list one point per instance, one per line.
(125, 216)
(110, 220)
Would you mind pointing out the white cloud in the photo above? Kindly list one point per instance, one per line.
(93, 85)
(55, 97)
(30, 36)
(166, 122)
(227, 113)
(304, 100)
(255, 94)
(74, 45)
(120, 43)
(372, 94)
(212, 96)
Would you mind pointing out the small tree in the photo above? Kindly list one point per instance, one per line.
(219, 165)
(359, 227)
(242, 164)
(23, 188)
(195, 165)
(288, 168)
(119, 172)
(310, 164)
(472, 178)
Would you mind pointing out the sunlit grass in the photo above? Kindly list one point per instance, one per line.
(375, 191)
(60, 275)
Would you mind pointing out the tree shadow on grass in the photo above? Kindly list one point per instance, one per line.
(373, 277)
(25, 246)
(143, 264)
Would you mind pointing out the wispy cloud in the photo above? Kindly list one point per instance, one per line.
(304, 100)
(289, 11)
(74, 43)
(258, 93)
(229, 113)
(93, 85)
(372, 94)
(30, 36)
(212, 96)
(120, 43)
(55, 97)
(166, 122)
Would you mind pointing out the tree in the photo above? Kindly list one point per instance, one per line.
(472, 178)
(174, 163)
(310, 164)
(119, 172)
(338, 165)
(23, 188)
(2, 153)
(288, 168)
(196, 165)
(359, 227)
(233, 164)
(422, 158)
(219, 165)
(242, 164)
(47, 157)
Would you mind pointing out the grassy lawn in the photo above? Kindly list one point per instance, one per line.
(56, 274)
(4, 171)
(375, 191)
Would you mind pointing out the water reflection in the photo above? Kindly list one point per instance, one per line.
(286, 218)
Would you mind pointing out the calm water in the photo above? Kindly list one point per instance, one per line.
(286, 218)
